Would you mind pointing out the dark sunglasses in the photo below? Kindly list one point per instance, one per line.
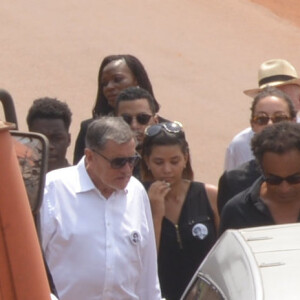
(276, 180)
(172, 127)
(142, 118)
(264, 119)
(120, 162)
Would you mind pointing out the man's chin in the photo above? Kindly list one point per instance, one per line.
(122, 183)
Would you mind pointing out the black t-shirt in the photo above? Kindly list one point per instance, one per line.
(235, 181)
(246, 210)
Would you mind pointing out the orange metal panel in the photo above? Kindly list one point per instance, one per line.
(22, 272)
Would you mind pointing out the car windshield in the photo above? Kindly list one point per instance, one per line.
(203, 289)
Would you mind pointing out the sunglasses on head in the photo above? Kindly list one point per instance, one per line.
(141, 118)
(172, 127)
(264, 119)
(120, 162)
(276, 180)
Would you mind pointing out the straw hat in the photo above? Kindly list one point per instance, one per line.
(274, 72)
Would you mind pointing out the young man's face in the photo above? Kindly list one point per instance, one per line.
(276, 166)
(58, 137)
(138, 114)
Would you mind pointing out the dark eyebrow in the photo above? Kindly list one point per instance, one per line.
(274, 175)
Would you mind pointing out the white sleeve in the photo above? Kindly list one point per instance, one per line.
(229, 158)
(47, 224)
(149, 288)
(239, 150)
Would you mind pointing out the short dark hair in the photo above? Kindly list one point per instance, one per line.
(277, 138)
(164, 138)
(134, 93)
(101, 106)
(273, 91)
(49, 108)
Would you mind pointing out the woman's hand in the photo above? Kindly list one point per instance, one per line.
(157, 192)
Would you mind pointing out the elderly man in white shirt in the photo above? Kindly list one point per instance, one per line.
(275, 72)
(96, 224)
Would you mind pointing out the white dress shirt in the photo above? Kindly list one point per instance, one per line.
(239, 150)
(98, 248)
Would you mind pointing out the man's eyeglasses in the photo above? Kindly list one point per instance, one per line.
(276, 180)
(172, 127)
(120, 162)
(141, 118)
(264, 118)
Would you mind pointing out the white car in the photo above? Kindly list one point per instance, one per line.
(261, 263)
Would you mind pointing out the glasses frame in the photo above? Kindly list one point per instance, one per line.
(120, 162)
(137, 117)
(172, 127)
(276, 118)
(277, 180)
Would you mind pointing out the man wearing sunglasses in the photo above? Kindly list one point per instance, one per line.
(137, 107)
(96, 224)
(274, 198)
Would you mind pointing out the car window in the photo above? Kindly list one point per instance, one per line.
(203, 289)
(31, 150)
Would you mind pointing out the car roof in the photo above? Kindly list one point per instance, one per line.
(256, 263)
(277, 253)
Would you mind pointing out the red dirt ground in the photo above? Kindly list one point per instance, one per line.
(200, 56)
(289, 10)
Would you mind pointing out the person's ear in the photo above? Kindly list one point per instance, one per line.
(155, 118)
(186, 158)
(146, 160)
(252, 124)
(88, 154)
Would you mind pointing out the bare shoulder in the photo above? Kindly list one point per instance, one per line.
(212, 192)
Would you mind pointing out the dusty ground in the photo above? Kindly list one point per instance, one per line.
(200, 56)
(289, 10)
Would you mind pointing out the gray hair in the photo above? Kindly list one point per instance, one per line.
(107, 128)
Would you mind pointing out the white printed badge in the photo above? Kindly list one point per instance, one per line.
(200, 231)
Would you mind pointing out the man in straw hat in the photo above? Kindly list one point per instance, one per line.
(275, 72)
